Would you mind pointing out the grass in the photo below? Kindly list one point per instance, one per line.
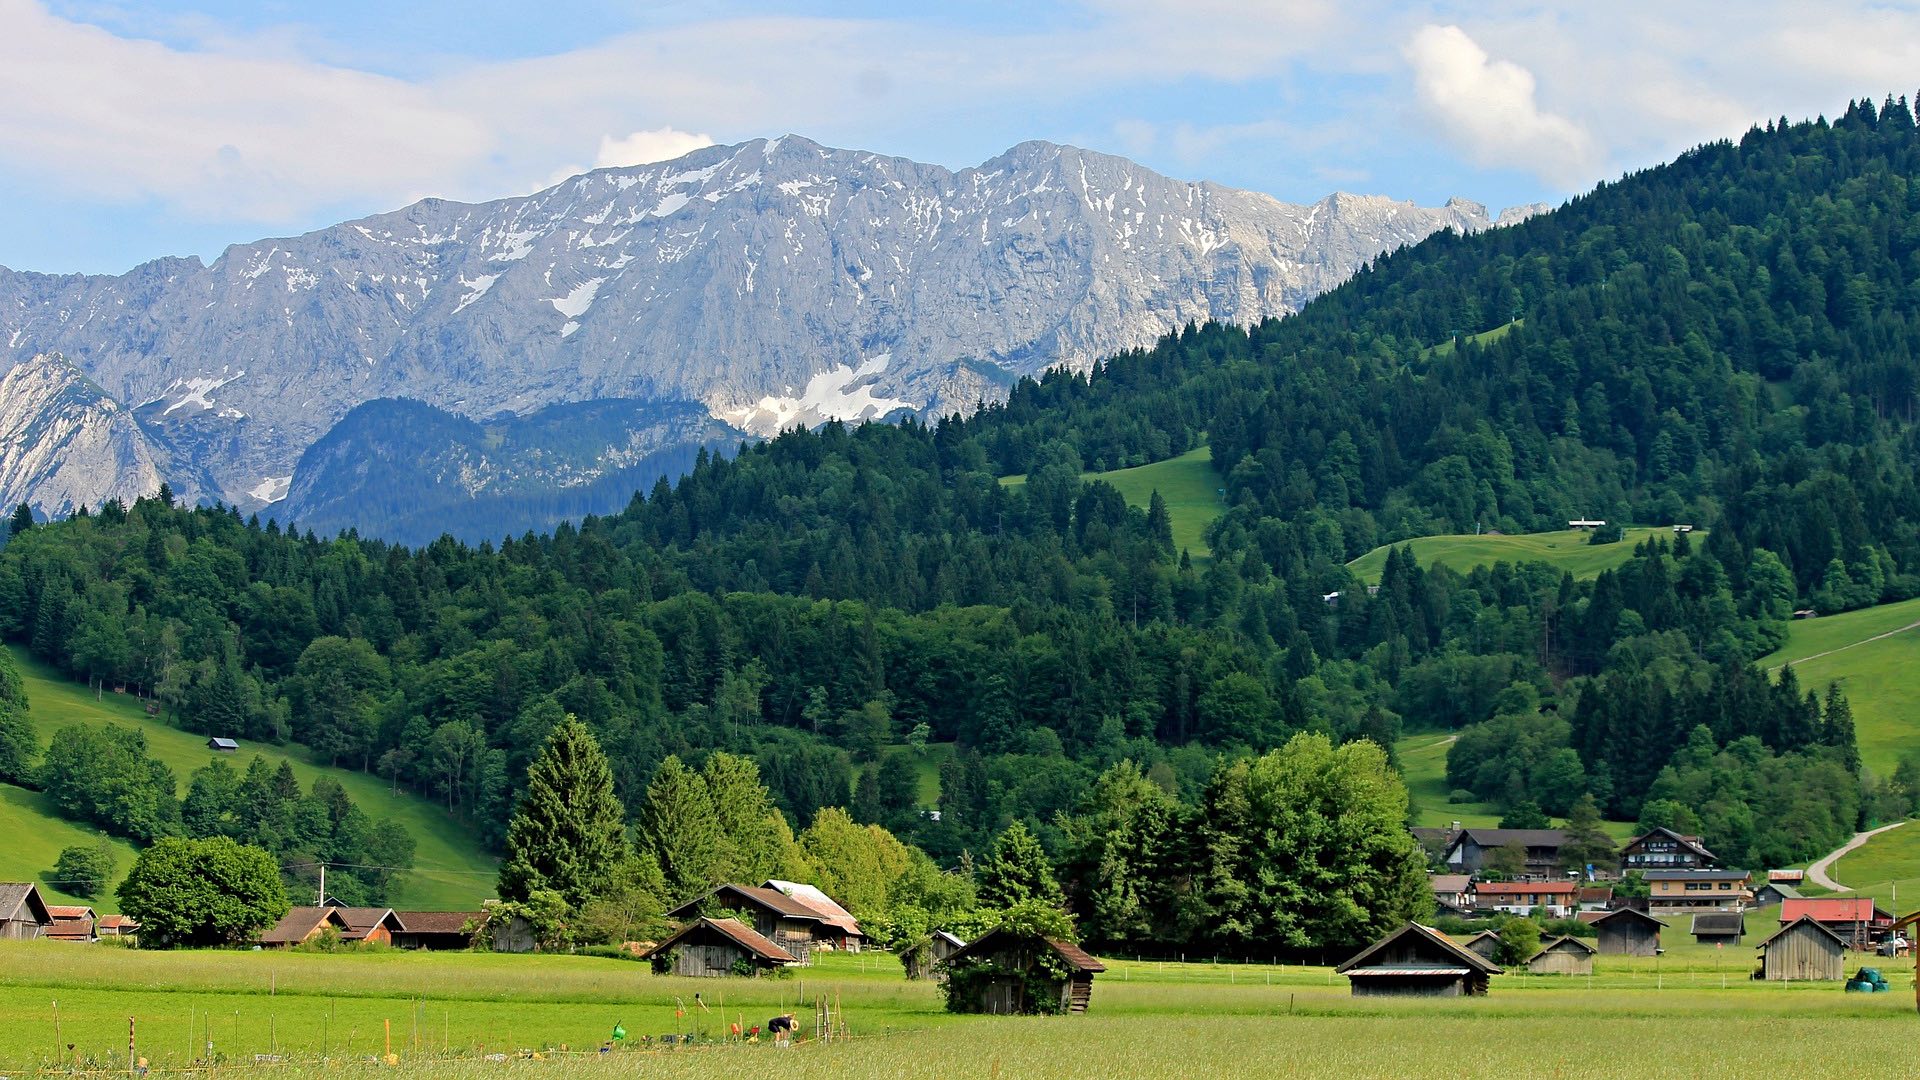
(1423, 764)
(453, 873)
(1484, 337)
(1878, 676)
(445, 1012)
(1567, 550)
(1189, 485)
(36, 834)
(1883, 867)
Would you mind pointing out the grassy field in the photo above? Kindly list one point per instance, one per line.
(1877, 672)
(1567, 550)
(445, 1012)
(1484, 337)
(454, 873)
(1188, 483)
(35, 835)
(1885, 868)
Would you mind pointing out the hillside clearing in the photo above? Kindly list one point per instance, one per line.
(1423, 764)
(1873, 656)
(35, 836)
(1188, 483)
(454, 874)
(1567, 550)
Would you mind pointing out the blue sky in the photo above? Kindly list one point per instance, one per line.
(135, 130)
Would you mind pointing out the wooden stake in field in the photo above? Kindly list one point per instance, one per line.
(59, 1044)
(129, 1044)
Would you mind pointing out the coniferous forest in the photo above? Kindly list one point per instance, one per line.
(1729, 340)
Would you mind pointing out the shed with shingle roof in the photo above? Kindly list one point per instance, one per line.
(1419, 961)
(1007, 973)
(1625, 932)
(1718, 927)
(708, 948)
(437, 930)
(791, 922)
(303, 924)
(1803, 951)
(71, 922)
(23, 914)
(1565, 955)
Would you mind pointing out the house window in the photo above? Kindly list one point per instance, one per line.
(1726, 885)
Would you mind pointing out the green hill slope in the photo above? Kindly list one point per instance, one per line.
(1188, 483)
(453, 873)
(35, 836)
(1874, 654)
(1567, 549)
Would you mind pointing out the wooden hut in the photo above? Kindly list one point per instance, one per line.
(1628, 932)
(708, 948)
(1803, 951)
(1005, 973)
(23, 914)
(1719, 927)
(924, 959)
(437, 930)
(376, 925)
(120, 926)
(1562, 956)
(1415, 960)
(1486, 944)
(798, 923)
(71, 923)
(303, 924)
(1774, 893)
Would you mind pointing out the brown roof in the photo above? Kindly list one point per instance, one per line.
(119, 922)
(13, 894)
(1075, 956)
(1595, 894)
(1561, 944)
(1623, 914)
(1449, 883)
(1517, 888)
(772, 899)
(1447, 949)
(437, 922)
(69, 911)
(817, 901)
(736, 931)
(300, 923)
(362, 921)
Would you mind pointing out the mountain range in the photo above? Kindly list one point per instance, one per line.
(772, 283)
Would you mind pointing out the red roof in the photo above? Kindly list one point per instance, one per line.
(1516, 888)
(1831, 909)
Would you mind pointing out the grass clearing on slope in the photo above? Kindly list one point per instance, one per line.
(1188, 483)
(35, 835)
(1879, 674)
(1484, 337)
(1883, 866)
(1423, 764)
(1567, 550)
(454, 873)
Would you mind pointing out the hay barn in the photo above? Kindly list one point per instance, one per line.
(1628, 932)
(1803, 951)
(710, 948)
(1417, 961)
(1011, 974)
(1562, 956)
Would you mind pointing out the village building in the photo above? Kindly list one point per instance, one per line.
(1562, 956)
(1485, 944)
(71, 923)
(303, 924)
(1672, 892)
(1627, 932)
(1856, 920)
(790, 921)
(840, 929)
(1558, 898)
(1004, 973)
(120, 926)
(1595, 897)
(1773, 894)
(1718, 927)
(1664, 849)
(1417, 961)
(23, 915)
(437, 931)
(1468, 850)
(709, 948)
(374, 925)
(1803, 951)
(1450, 890)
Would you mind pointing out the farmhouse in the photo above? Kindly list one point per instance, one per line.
(1596, 897)
(1678, 891)
(708, 948)
(1520, 897)
(789, 921)
(1801, 951)
(1718, 927)
(436, 931)
(1562, 956)
(1664, 849)
(1450, 890)
(1417, 961)
(71, 923)
(1005, 973)
(1627, 932)
(23, 915)
(303, 924)
(1468, 850)
(1855, 920)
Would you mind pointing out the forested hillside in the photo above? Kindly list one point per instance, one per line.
(1728, 340)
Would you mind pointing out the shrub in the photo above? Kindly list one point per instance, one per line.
(83, 869)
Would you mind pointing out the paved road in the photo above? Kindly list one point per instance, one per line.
(1817, 873)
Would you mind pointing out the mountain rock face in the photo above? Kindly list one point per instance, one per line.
(775, 282)
(64, 444)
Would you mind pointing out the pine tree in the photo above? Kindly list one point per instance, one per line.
(1837, 727)
(1016, 870)
(1587, 841)
(18, 747)
(678, 828)
(22, 520)
(568, 833)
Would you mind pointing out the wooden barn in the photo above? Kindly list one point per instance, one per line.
(121, 926)
(1417, 961)
(71, 923)
(1774, 893)
(303, 924)
(376, 925)
(797, 922)
(1719, 927)
(1562, 956)
(707, 948)
(436, 930)
(23, 915)
(1803, 951)
(1004, 973)
(1627, 932)
(1486, 943)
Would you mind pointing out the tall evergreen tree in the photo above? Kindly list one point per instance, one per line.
(568, 833)
(18, 747)
(678, 828)
(1016, 870)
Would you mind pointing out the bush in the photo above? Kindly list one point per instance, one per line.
(1461, 795)
(83, 870)
(203, 893)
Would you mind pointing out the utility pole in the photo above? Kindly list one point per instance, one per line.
(322, 900)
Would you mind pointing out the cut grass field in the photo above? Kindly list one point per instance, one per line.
(1567, 550)
(454, 874)
(1189, 485)
(1874, 654)
(446, 1012)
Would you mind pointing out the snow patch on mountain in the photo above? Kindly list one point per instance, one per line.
(842, 392)
(272, 489)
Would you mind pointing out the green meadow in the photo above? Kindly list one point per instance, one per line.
(1188, 483)
(1566, 550)
(453, 874)
(1874, 654)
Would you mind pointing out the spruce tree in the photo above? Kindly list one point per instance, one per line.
(1837, 728)
(22, 520)
(18, 747)
(1016, 870)
(568, 834)
(679, 829)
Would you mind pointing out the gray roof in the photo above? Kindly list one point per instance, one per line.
(1528, 837)
(1783, 890)
(15, 893)
(1696, 875)
(1442, 949)
(1719, 922)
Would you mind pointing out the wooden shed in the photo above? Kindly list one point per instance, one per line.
(437, 930)
(303, 924)
(376, 925)
(1005, 973)
(1628, 932)
(707, 948)
(120, 926)
(1562, 956)
(1719, 927)
(1803, 951)
(23, 914)
(1486, 943)
(1418, 961)
(71, 923)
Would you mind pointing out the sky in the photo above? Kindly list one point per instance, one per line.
(130, 131)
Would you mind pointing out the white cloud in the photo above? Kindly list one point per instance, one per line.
(1489, 107)
(646, 147)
